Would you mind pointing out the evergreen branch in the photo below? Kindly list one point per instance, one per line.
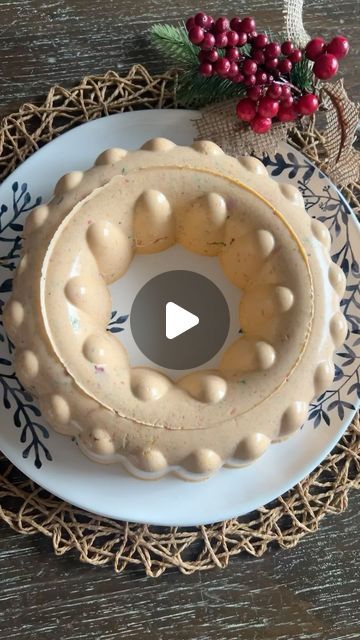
(192, 89)
(245, 50)
(173, 42)
(195, 90)
(272, 35)
(302, 75)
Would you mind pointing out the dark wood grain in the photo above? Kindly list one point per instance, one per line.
(44, 42)
(307, 593)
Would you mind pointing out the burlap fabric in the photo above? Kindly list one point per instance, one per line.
(28, 509)
(293, 22)
(219, 123)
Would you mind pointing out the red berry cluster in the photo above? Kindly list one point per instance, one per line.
(266, 61)
(263, 67)
(260, 108)
(326, 56)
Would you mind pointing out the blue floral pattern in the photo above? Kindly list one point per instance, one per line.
(322, 201)
(14, 396)
(328, 205)
(116, 322)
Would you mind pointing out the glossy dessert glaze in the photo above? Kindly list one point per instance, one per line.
(214, 205)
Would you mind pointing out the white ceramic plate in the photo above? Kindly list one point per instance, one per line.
(55, 462)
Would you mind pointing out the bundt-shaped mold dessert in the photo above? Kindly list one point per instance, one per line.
(145, 201)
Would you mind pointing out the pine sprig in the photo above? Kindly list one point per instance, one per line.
(302, 75)
(173, 42)
(194, 90)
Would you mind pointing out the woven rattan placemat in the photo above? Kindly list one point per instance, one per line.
(29, 509)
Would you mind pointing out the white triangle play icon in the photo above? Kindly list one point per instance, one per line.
(178, 320)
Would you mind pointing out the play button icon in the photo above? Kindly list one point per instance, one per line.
(179, 320)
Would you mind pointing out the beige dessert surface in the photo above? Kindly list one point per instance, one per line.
(145, 201)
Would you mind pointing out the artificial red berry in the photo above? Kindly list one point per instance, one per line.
(260, 124)
(201, 20)
(285, 91)
(295, 56)
(272, 50)
(242, 38)
(270, 78)
(285, 65)
(233, 38)
(268, 107)
(339, 47)
(325, 66)
(232, 54)
(235, 23)
(239, 78)
(248, 24)
(287, 102)
(252, 36)
(222, 24)
(274, 91)
(203, 56)
(222, 66)
(196, 35)
(190, 23)
(261, 41)
(249, 67)
(234, 69)
(254, 93)
(221, 40)
(209, 23)
(258, 56)
(249, 81)
(271, 63)
(287, 113)
(315, 48)
(206, 69)
(212, 55)
(307, 104)
(261, 77)
(246, 109)
(287, 47)
(208, 41)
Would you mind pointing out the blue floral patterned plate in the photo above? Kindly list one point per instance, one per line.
(55, 462)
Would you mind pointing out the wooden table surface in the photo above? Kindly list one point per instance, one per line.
(308, 593)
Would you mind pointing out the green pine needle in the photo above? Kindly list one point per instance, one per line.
(272, 36)
(192, 89)
(173, 42)
(302, 75)
(195, 90)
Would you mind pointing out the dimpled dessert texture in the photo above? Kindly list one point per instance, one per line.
(144, 202)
